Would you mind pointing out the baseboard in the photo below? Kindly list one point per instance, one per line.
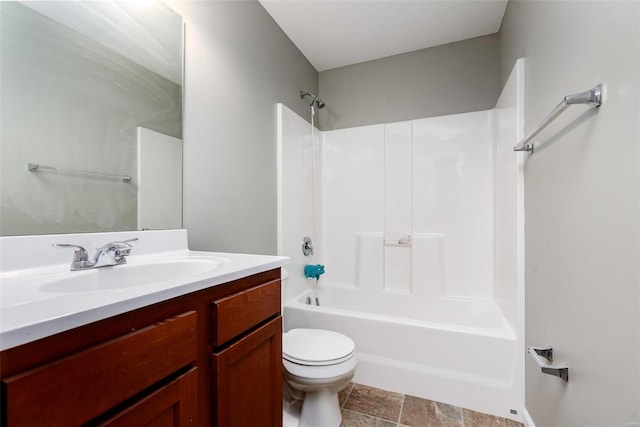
(528, 421)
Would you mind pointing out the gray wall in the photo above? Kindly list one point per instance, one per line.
(238, 65)
(453, 78)
(582, 207)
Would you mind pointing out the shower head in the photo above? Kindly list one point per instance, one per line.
(315, 101)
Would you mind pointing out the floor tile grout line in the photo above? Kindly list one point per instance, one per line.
(348, 396)
(401, 408)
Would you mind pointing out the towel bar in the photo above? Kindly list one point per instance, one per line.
(35, 167)
(592, 97)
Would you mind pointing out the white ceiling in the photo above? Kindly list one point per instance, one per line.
(335, 33)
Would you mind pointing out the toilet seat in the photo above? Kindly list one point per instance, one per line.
(316, 347)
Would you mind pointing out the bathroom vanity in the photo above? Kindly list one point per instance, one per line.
(205, 351)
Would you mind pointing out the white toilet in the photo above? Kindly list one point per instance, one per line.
(319, 363)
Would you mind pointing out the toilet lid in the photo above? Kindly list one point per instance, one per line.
(316, 347)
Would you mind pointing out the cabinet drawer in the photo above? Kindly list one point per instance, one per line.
(237, 313)
(77, 388)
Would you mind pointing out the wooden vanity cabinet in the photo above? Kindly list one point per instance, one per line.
(201, 359)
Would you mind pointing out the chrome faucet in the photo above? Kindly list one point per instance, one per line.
(113, 253)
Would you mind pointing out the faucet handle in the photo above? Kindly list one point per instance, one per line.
(121, 248)
(307, 246)
(121, 244)
(80, 254)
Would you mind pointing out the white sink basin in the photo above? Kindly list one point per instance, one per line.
(140, 273)
(133, 275)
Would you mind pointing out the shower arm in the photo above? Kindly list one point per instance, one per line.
(315, 100)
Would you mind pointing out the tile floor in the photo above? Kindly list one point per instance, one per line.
(364, 406)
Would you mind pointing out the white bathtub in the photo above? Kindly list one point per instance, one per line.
(460, 352)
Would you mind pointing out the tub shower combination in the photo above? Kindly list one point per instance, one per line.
(419, 225)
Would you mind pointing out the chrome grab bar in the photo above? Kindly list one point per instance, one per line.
(543, 357)
(592, 97)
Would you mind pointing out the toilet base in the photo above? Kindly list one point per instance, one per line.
(320, 409)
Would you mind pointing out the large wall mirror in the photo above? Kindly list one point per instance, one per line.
(90, 116)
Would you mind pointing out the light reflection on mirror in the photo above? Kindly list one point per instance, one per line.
(91, 92)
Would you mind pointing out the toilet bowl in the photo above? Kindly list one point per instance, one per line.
(319, 363)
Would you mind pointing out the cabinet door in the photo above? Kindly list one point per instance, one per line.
(247, 383)
(173, 405)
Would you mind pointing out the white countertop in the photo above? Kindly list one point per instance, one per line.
(30, 309)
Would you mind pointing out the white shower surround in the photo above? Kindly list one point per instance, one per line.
(454, 184)
(431, 179)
